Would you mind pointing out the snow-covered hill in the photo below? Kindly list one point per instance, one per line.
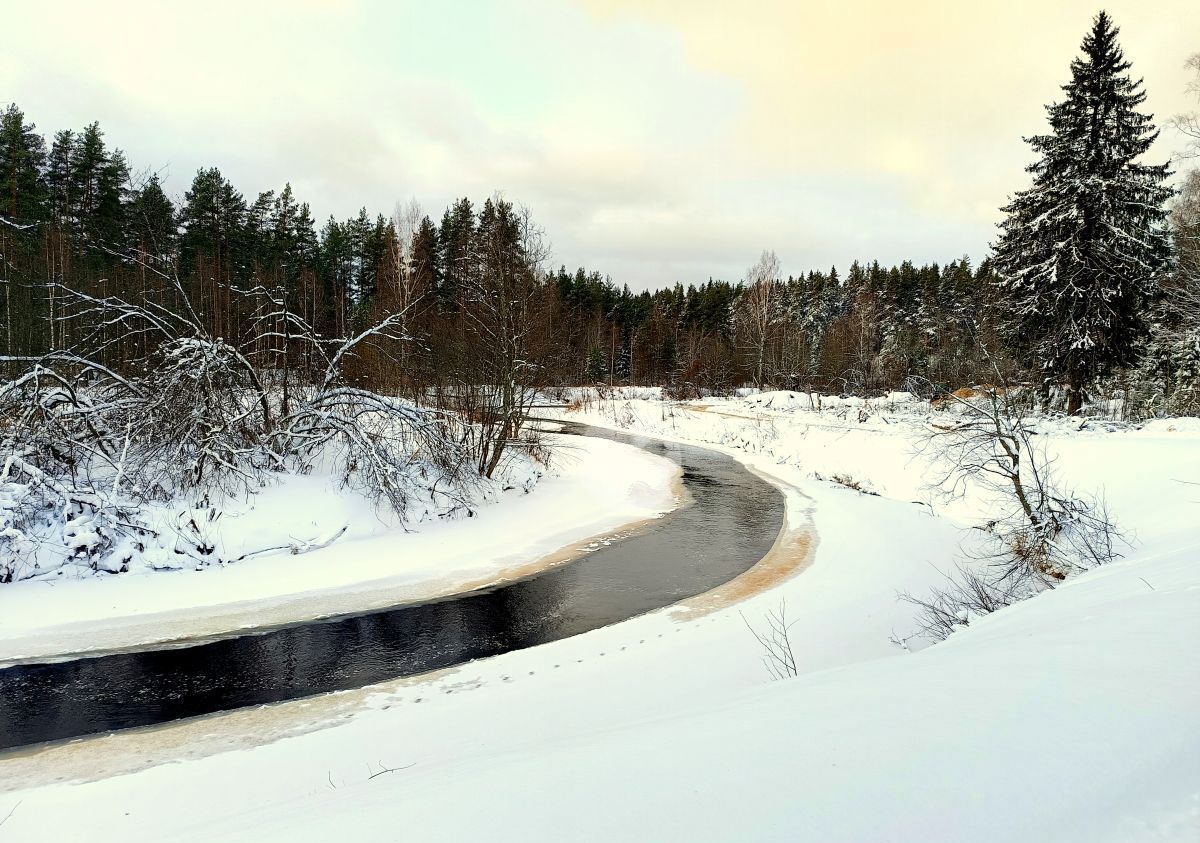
(1070, 716)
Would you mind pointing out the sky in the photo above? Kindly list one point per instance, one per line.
(655, 141)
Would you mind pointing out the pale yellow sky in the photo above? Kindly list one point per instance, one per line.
(658, 141)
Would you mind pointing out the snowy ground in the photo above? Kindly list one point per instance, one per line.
(1071, 716)
(596, 487)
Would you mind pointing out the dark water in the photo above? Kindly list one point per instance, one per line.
(731, 524)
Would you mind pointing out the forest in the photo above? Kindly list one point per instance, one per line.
(153, 347)
(77, 219)
(82, 228)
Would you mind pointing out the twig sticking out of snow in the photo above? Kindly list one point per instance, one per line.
(776, 642)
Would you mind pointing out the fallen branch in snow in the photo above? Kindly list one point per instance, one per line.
(383, 768)
(298, 546)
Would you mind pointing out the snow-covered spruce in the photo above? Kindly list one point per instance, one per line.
(1082, 250)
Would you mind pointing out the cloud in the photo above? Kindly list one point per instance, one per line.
(656, 141)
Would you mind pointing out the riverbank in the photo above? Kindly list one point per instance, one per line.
(596, 490)
(1066, 717)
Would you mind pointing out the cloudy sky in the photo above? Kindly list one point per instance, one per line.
(656, 140)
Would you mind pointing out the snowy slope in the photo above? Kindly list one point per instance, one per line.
(1071, 716)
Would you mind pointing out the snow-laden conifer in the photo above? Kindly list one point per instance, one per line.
(1081, 250)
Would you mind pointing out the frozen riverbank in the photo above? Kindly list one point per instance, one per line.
(596, 488)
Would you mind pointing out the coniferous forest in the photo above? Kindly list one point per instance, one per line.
(1089, 292)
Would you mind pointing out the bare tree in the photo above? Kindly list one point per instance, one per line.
(1188, 124)
(1171, 373)
(1185, 215)
(1185, 219)
(502, 302)
(1036, 535)
(757, 309)
(1042, 532)
(406, 288)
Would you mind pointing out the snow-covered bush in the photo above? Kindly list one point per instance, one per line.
(1037, 533)
(408, 458)
(125, 467)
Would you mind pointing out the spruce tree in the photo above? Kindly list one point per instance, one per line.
(426, 260)
(22, 156)
(152, 227)
(597, 366)
(1080, 251)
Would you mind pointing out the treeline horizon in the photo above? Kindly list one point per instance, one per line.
(75, 214)
(1090, 292)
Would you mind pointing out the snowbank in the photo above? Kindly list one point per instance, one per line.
(1069, 717)
(598, 487)
(1046, 722)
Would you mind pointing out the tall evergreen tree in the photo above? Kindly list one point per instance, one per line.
(212, 216)
(99, 179)
(456, 237)
(152, 224)
(212, 253)
(427, 265)
(1080, 251)
(58, 174)
(22, 156)
(22, 206)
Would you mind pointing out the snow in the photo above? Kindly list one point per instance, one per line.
(1067, 717)
(598, 487)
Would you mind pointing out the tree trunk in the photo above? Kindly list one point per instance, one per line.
(1074, 395)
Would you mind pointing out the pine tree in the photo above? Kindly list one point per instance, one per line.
(1080, 251)
(22, 207)
(98, 183)
(58, 174)
(456, 235)
(213, 253)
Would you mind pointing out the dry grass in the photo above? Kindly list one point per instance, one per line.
(1034, 552)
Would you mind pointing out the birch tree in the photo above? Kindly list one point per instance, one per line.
(757, 309)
